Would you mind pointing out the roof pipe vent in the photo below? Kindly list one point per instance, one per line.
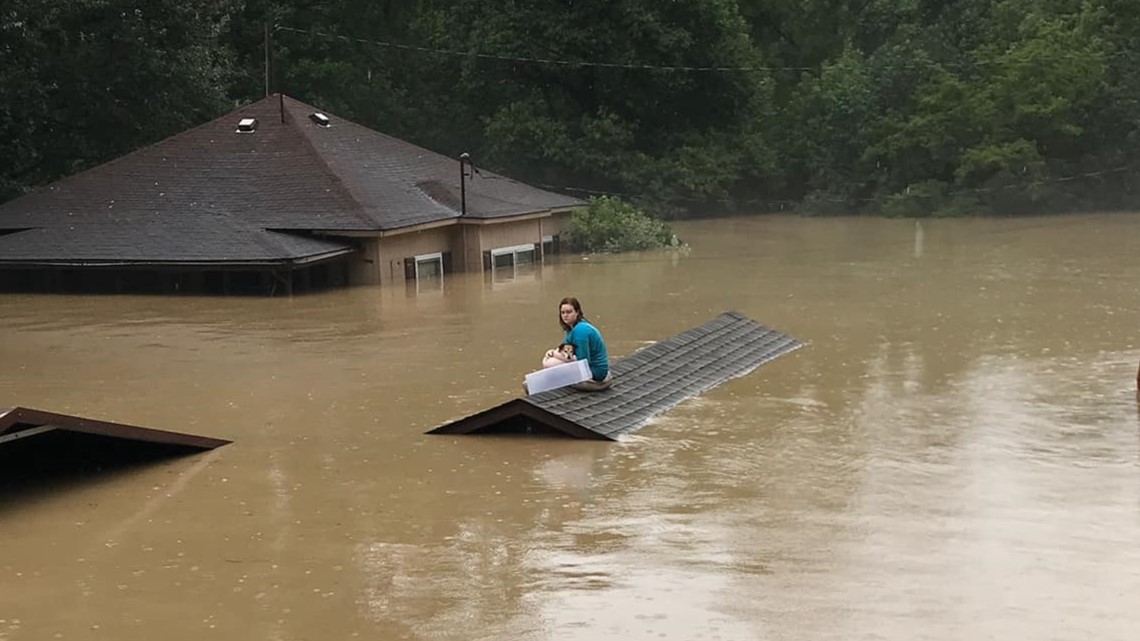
(319, 118)
(247, 125)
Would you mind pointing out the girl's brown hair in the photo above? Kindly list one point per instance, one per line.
(573, 302)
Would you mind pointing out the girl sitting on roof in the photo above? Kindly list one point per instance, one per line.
(588, 345)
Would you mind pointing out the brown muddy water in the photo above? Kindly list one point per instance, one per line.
(954, 455)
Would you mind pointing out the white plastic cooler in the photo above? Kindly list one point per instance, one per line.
(557, 376)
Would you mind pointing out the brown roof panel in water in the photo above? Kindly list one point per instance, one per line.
(648, 382)
(21, 422)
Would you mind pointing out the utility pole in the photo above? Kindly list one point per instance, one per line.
(266, 59)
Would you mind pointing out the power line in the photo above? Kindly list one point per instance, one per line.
(719, 69)
(648, 67)
(534, 60)
(764, 201)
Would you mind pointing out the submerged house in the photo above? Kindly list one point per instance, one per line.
(274, 196)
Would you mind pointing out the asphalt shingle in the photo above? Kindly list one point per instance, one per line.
(213, 194)
(647, 382)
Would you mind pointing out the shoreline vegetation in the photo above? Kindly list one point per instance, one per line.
(610, 225)
(813, 107)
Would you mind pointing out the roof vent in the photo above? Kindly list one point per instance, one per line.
(247, 125)
(320, 119)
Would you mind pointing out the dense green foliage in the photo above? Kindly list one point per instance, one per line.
(899, 107)
(83, 81)
(613, 225)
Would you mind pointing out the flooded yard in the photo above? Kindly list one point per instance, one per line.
(955, 454)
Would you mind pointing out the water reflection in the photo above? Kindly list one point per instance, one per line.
(524, 274)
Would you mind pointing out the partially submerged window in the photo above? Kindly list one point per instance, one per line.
(247, 125)
(427, 270)
(513, 256)
(429, 266)
(551, 245)
(507, 263)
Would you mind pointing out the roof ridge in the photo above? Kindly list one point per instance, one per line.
(336, 175)
(670, 377)
(358, 210)
(294, 174)
(69, 178)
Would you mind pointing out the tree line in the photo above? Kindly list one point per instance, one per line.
(895, 107)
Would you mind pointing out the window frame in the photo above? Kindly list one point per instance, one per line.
(425, 258)
(513, 251)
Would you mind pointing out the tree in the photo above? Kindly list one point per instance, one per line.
(650, 129)
(86, 80)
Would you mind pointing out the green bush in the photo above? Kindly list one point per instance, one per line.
(612, 225)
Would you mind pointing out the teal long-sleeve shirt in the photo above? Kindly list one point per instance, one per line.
(589, 346)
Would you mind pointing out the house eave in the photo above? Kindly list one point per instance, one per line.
(238, 264)
(498, 220)
(436, 224)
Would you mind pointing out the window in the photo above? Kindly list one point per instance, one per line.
(508, 263)
(499, 261)
(429, 266)
(512, 256)
(550, 245)
(427, 269)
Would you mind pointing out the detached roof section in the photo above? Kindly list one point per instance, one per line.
(646, 383)
(37, 445)
(214, 194)
(21, 422)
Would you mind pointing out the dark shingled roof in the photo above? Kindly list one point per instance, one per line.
(211, 194)
(20, 423)
(151, 244)
(647, 382)
(39, 445)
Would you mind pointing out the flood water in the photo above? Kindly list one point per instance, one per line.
(955, 454)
